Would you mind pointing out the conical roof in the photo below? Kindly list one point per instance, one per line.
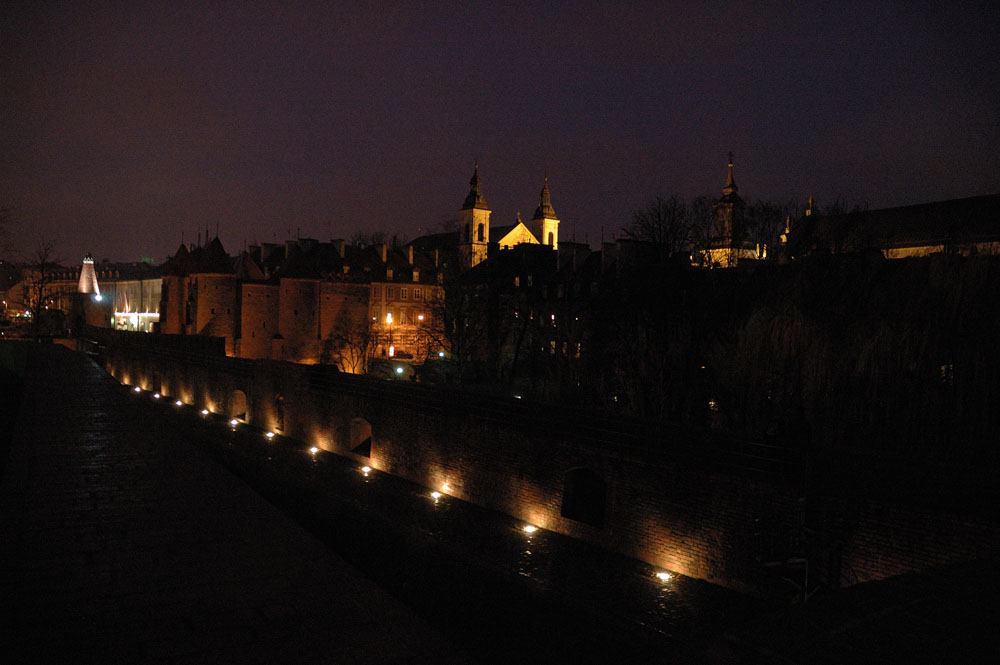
(545, 209)
(475, 199)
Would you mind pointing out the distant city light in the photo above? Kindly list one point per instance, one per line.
(97, 297)
(530, 528)
(156, 395)
(399, 370)
(366, 470)
(204, 412)
(436, 495)
(440, 354)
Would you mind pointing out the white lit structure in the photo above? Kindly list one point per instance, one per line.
(88, 278)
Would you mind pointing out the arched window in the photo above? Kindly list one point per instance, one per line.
(552, 239)
(584, 496)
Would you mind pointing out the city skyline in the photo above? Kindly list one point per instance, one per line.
(127, 127)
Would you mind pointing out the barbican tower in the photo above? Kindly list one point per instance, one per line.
(88, 278)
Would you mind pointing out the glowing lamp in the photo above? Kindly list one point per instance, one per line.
(179, 403)
(436, 495)
(440, 354)
(399, 370)
(234, 422)
(530, 528)
(137, 389)
(270, 435)
(314, 450)
(204, 412)
(663, 576)
(445, 487)
(365, 470)
(156, 395)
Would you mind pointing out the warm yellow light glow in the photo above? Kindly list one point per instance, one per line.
(365, 469)
(530, 528)
(392, 350)
(663, 576)
(436, 495)
(445, 487)
(270, 435)
(314, 450)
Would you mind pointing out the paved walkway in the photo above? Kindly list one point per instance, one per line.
(121, 542)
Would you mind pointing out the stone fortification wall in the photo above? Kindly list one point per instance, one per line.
(709, 508)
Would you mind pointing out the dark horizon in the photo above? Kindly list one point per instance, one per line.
(126, 127)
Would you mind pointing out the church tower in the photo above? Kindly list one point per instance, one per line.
(545, 224)
(728, 243)
(473, 225)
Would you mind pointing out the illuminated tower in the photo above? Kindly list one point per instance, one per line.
(545, 224)
(88, 278)
(473, 225)
(729, 243)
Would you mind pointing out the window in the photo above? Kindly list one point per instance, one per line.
(389, 293)
(213, 310)
(416, 294)
(402, 316)
(388, 274)
(552, 239)
(552, 347)
(517, 281)
(481, 234)
(375, 291)
(402, 293)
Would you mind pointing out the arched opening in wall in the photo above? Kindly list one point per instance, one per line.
(238, 405)
(552, 239)
(481, 233)
(584, 496)
(279, 413)
(361, 437)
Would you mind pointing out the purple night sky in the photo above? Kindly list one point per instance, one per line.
(127, 124)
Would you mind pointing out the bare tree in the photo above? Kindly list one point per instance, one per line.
(39, 273)
(665, 222)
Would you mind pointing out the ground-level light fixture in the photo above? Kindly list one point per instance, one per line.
(664, 576)
(137, 389)
(366, 470)
(270, 435)
(435, 495)
(179, 403)
(314, 450)
(156, 395)
(204, 412)
(530, 528)
(234, 422)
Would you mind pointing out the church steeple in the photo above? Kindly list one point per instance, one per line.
(475, 199)
(545, 224)
(474, 224)
(730, 187)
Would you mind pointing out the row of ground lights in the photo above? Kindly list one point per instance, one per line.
(528, 529)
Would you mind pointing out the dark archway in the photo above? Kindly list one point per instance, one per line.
(584, 496)
(361, 437)
(238, 405)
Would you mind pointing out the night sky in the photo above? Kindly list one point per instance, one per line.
(126, 125)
